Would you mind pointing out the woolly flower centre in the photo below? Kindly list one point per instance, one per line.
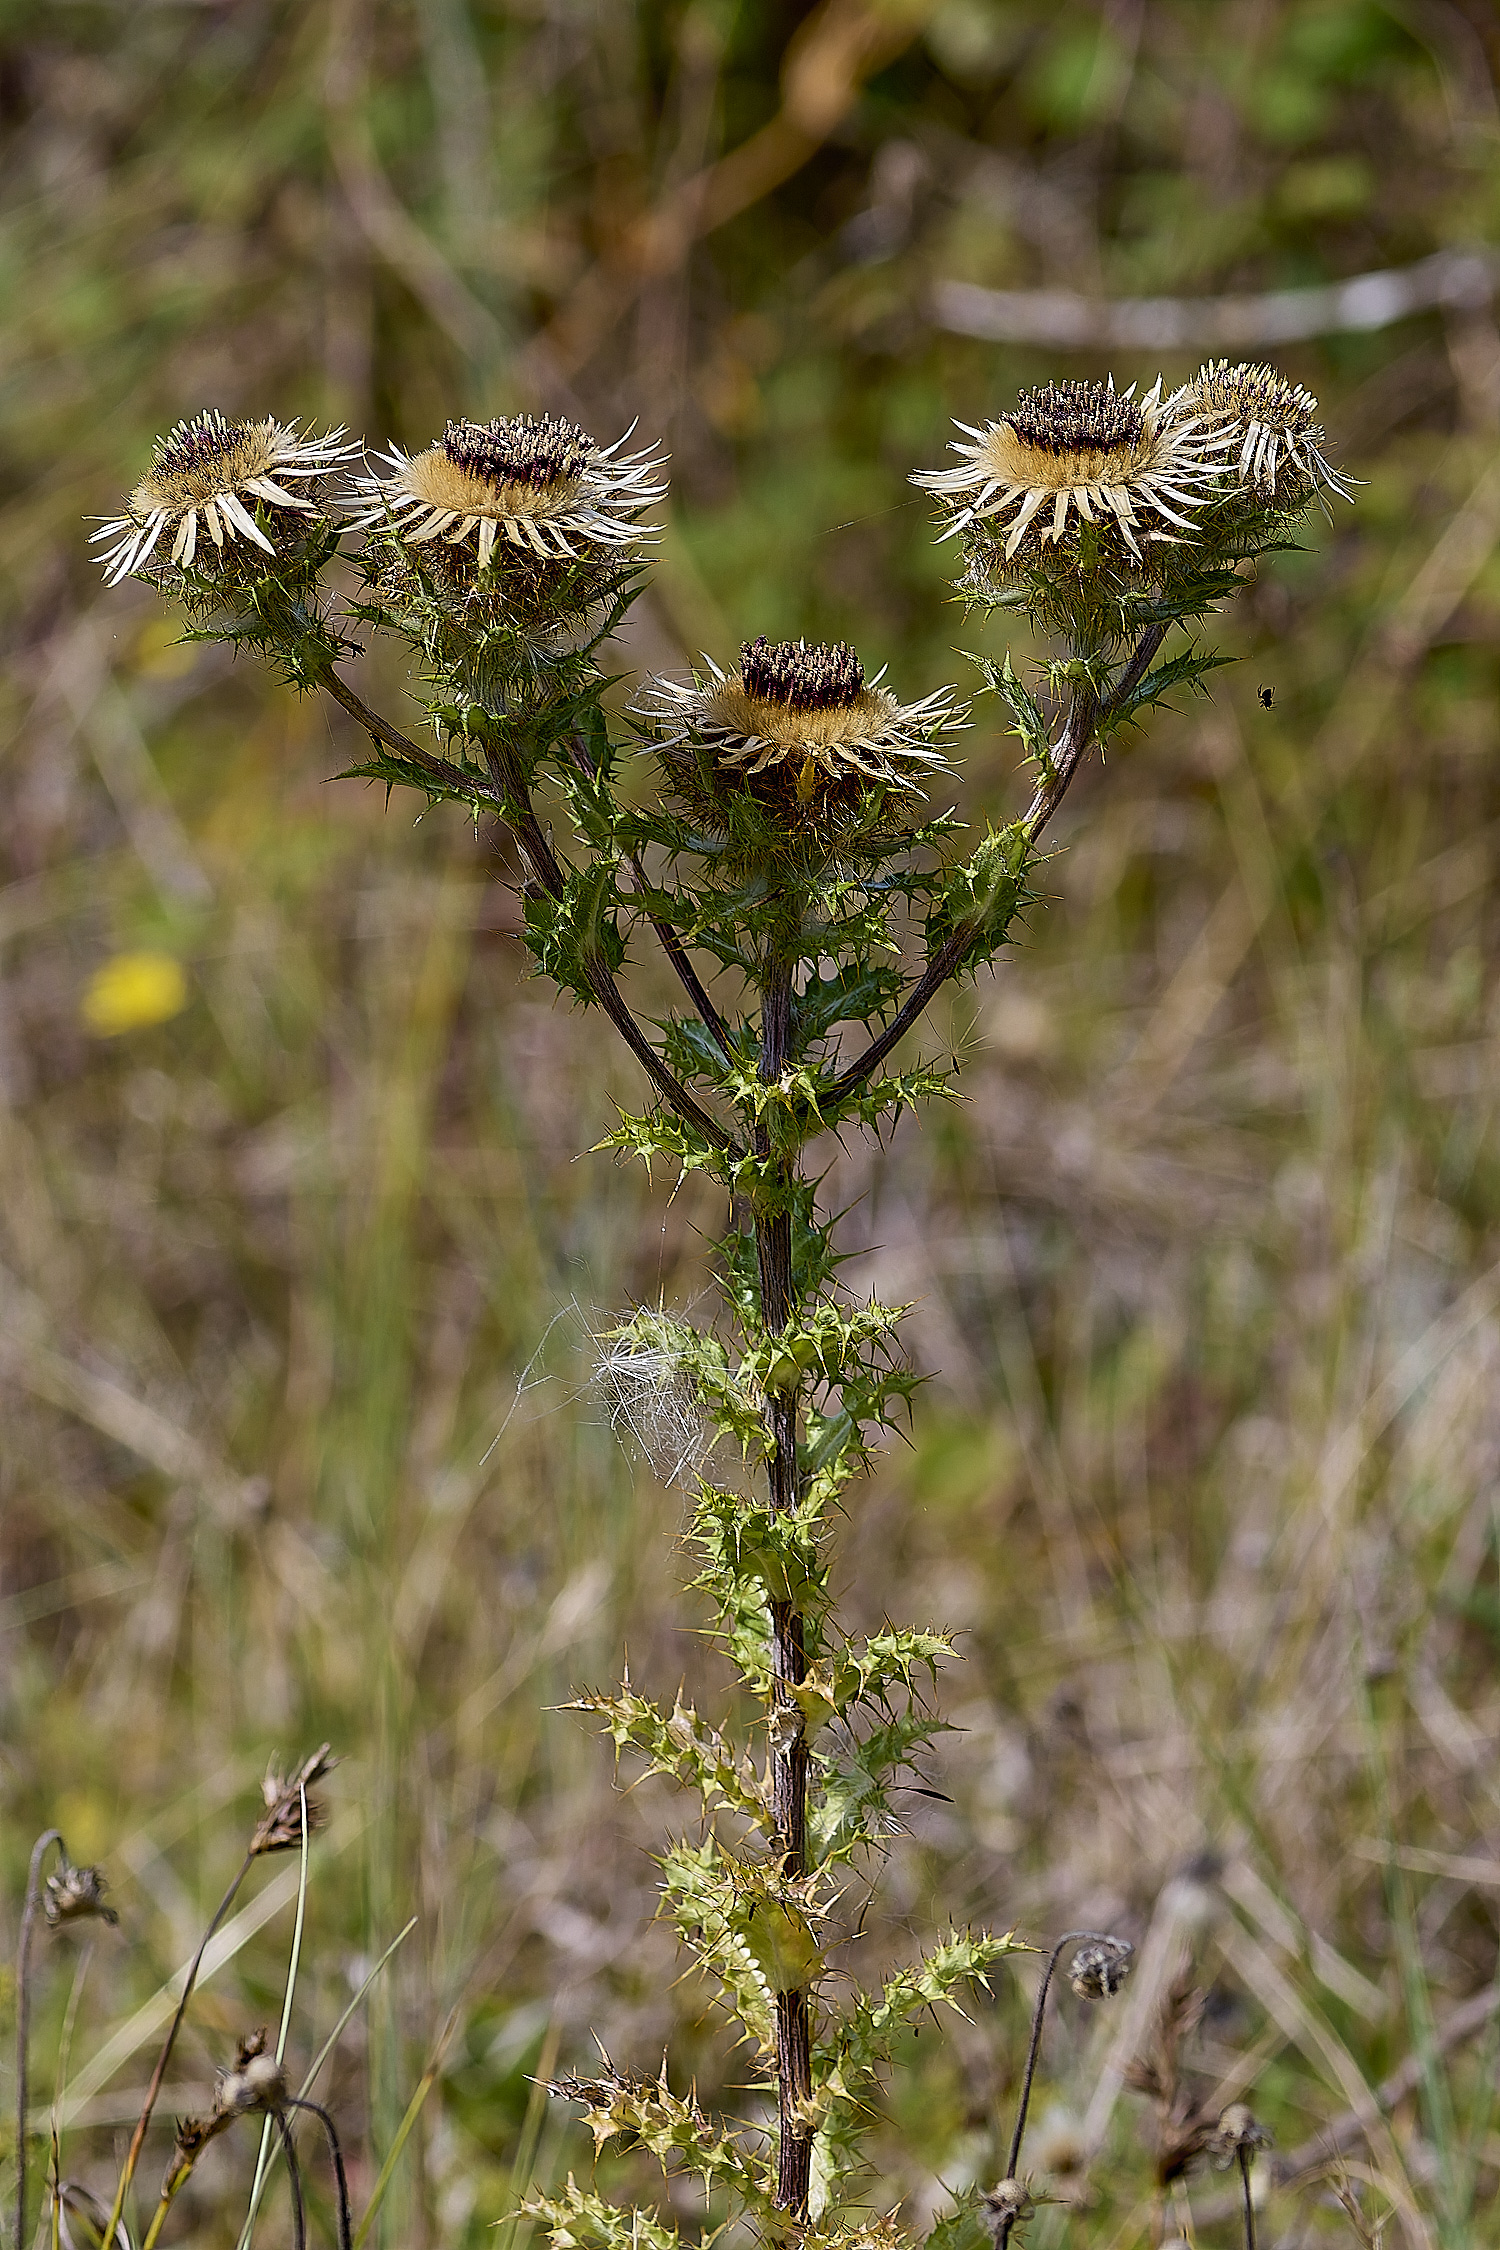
(200, 459)
(801, 677)
(529, 465)
(1065, 435)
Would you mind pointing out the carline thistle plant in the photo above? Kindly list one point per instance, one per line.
(810, 894)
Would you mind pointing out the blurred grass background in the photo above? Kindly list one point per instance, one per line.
(298, 1279)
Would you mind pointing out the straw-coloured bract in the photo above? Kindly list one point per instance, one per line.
(206, 477)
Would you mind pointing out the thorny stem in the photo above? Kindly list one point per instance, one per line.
(773, 1242)
(143, 2122)
(1038, 2014)
(296, 2101)
(39, 1850)
(773, 1231)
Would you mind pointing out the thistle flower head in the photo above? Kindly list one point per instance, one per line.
(1273, 427)
(206, 475)
(534, 482)
(1134, 467)
(801, 712)
(76, 1894)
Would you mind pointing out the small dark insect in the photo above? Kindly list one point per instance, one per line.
(1267, 697)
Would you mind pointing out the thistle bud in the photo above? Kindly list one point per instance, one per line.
(1100, 1968)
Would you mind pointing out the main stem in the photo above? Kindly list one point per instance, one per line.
(773, 1243)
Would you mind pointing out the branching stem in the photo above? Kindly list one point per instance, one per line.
(515, 799)
(671, 944)
(441, 771)
(1085, 715)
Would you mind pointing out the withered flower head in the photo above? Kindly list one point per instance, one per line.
(1274, 428)
(204, 471)
(1006, 2205)
(1099, 1969)
(804, 710)
(535, 481)
(257, 2080)
(1137, 465)
(280, 1830)
(1239, 2133)
(76, 1894)
(193, 2137)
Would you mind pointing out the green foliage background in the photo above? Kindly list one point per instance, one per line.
(1205, 1265)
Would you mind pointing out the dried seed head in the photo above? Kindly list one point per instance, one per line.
(281, 1828)
(1239, 2133)
(76, 1894)
(1076, 418)
(257, 2080)
(193, 2137)
(1100, 1968)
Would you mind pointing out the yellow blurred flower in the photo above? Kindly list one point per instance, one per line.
(133, 990)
